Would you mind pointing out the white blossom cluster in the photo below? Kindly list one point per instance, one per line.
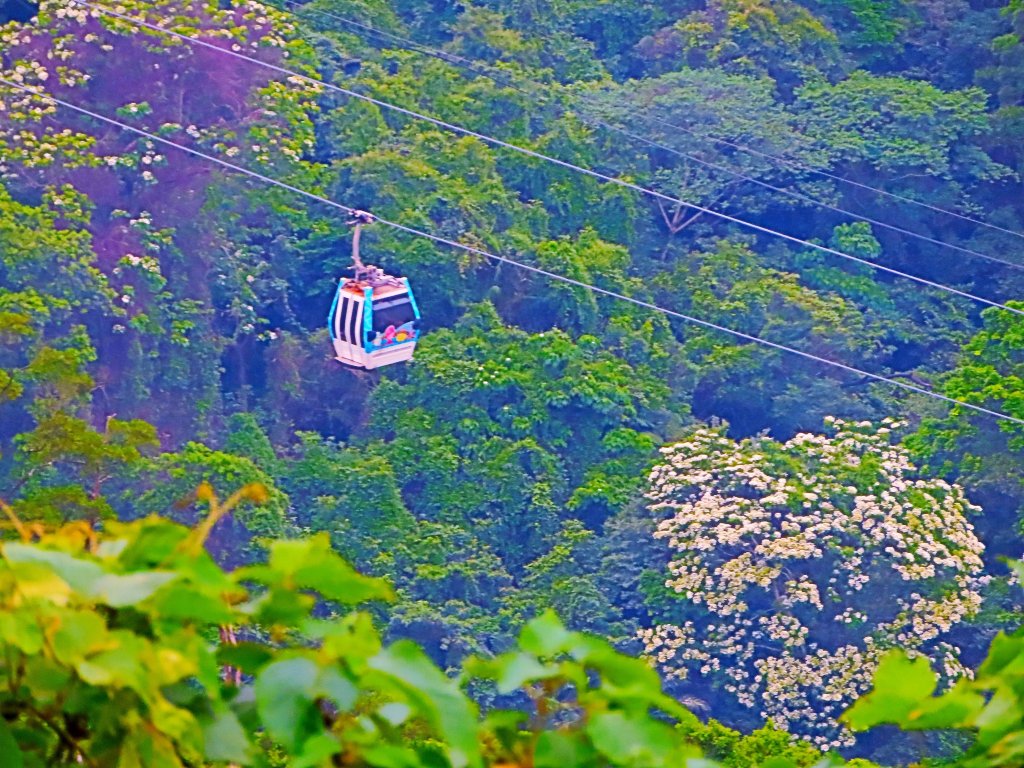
(62, 34)
(143, 263)
(796, 565)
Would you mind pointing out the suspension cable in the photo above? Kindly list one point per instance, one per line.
(547, 158)
(475, 67)
(505, 260)
(811, 200)
(835, 177)
(405, 42)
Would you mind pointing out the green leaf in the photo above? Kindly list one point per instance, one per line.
(38, 582)
(391, 756)
(1001, 714)
(284, 699)
(629, 740)
(627, 681)
(46, 679)
(89, 579)
(280, 606)
(317, 751)
(436, 697)
(558, 749)
(248, 657)
(131, 589)
(338, 688)
(148, 749)
(25, 635)
(1005, 656)
(395, 713)
(179, 724)
(225, 740)
(79, 574)
(121, 667)
(79, 634)
(902, 685)
(10, 753)
(352, 637)
(111, 548)
(546, 636)
(286, 695)
(511, 671)
(312, 564)
(187, 602)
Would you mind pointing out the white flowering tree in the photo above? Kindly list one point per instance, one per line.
(796, 565)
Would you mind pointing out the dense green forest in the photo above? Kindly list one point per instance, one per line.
(760, 526)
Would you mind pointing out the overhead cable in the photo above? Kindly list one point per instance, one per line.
(405, 42)
(472, 66)
(813, 201)
(505, 260)
(835, 177)
(546, 158)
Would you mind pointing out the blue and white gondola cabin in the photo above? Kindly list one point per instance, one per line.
(374, 320)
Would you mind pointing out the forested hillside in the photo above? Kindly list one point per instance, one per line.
(771, 427)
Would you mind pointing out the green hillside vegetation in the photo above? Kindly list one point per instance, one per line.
(692, 505)
(109, 662)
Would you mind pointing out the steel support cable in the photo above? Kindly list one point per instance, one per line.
(835, 177)
(612, 127)
(474, 67)
(546, 158)
(504, 259)
(492, 73)
(411, 45)
(405, 42)
(810, 200)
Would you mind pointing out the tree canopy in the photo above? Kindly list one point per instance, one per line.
(162, 330)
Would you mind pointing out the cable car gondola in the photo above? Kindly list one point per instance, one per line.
(374, 319)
